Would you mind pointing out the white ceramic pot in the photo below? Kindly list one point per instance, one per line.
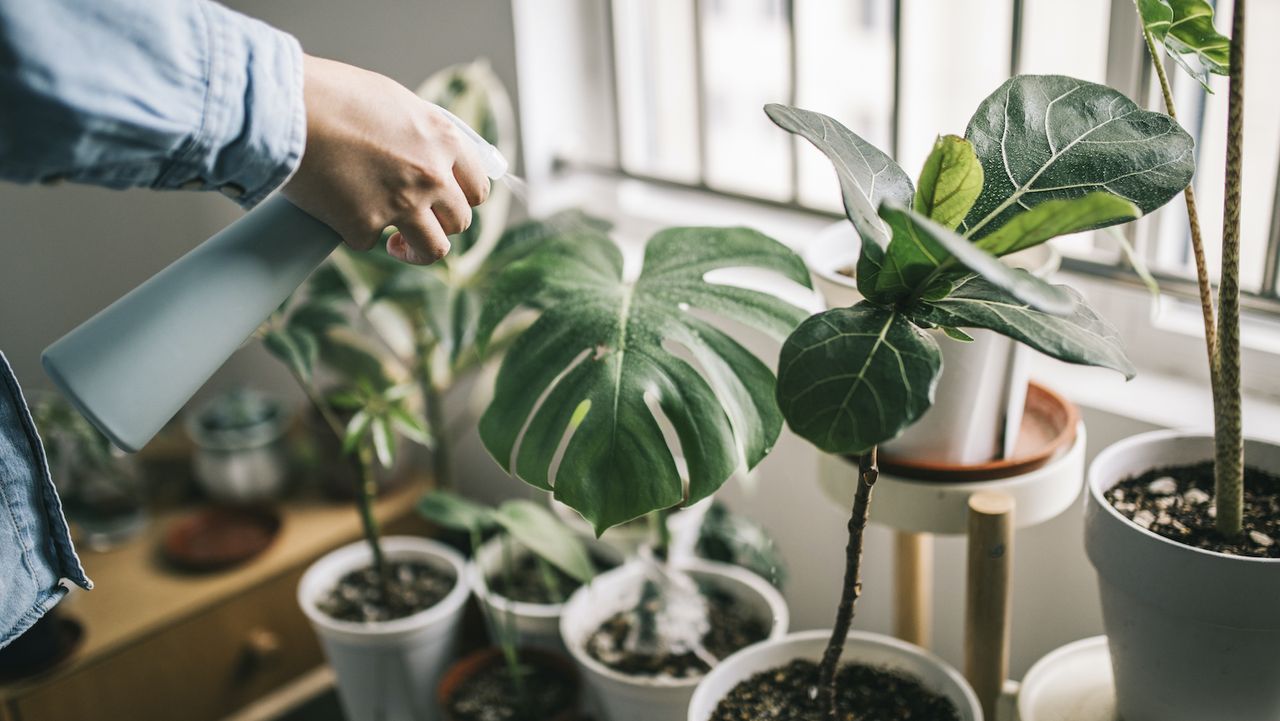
(1194, 635)
(984, 383)
(536, 624)
(869, 648)
(637, 698)
(388, 670)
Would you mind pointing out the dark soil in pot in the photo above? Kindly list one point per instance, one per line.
(535, 581)
(732, 627)
(480, 688)
(1177, 502)
(415, 586)
(865, 693)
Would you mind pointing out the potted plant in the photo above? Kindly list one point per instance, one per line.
(240, 454)
(522, 576)
(571, 415)
(851, 378)
(1183, 528)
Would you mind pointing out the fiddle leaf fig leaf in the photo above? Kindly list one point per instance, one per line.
(956, 334)
(923, 252)
(1081, 336)
(538, 530)
(1185, 28)
(950, 181)
(455, 512)
(867, 177)
(851, 378)
(1053, 218)
(1050, 137)
(583, 374)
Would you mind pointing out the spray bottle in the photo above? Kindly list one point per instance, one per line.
(130, 368)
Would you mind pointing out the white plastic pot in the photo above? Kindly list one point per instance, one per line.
(536, 624)
(1194, 635)
(387, 670)
(640, 698)
(868, 648)
(984, 383)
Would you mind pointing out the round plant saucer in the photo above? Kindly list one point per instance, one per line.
(928, 506)
(219, 537)
(1071, 683)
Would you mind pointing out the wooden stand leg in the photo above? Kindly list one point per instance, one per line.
(987, 596)
(913, 586)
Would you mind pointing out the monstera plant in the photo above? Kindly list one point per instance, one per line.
(580, 394)
(1043, 156)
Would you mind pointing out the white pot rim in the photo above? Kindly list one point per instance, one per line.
(771, 596)
(700, 699)
(324, 571)
(1098, 485)
(480, 587)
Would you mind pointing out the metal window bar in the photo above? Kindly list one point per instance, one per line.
(1128, 69)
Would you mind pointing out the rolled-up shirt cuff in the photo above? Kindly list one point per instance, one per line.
(254, 127)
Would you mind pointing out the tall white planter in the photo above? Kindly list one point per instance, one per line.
(1194, 635)
(868, 648)
(536, 624)
(984, 383)
(387, 671)
(639, 698)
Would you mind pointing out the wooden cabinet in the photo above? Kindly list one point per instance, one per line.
(163, 645)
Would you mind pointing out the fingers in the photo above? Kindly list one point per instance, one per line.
(470, 176)
(421, 240)
(451, 208)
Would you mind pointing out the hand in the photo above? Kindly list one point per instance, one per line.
(378, 155)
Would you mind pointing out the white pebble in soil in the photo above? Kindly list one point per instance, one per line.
(1165, 486)
(1144, 518)
(1196, 497)
(1261, 539)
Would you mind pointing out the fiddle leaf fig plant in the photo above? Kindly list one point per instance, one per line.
(1043, 156)
(571, 410)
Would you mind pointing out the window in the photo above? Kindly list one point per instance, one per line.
(692, 75)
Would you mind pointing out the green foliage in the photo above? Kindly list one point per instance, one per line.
(1043, 156)
(528, 523)
(732, 538)
(1185, 28)
(583, 374)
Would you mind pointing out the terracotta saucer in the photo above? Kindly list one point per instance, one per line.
(1048, 429)
(220, 537)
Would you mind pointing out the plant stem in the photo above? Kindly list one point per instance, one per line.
(367, 485)
(1193, 219)
(510, 636)
(660, 534)
(1228, 467)
(441, 456)
(868, 472)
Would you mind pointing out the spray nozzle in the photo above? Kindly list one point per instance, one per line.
(495, 165)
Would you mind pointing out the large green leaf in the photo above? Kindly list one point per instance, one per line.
(602, 346)
(851, 378)
(1058, 217)
(1049, 137)
(950, 181)
(1081, 337)
(1185, 27)
(538, 530)
(924, 254)
(867, 178)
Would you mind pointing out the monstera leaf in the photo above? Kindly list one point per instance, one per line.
(851, 378)
(577, 384)
(1050, 137)
(1185, 28)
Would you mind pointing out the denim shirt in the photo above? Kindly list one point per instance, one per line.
(167, 94)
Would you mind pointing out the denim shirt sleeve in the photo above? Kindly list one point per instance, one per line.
(35, 545)
(168, 94)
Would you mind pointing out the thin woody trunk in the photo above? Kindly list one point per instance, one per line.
(1228, 464)
(867, 474)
